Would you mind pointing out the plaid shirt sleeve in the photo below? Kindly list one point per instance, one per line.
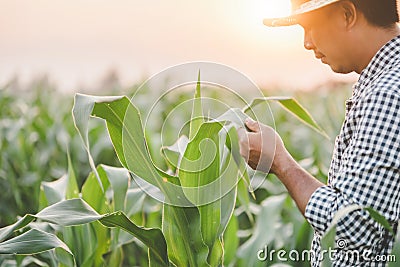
(367, 172)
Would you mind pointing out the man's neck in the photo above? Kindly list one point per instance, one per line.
(374, 39)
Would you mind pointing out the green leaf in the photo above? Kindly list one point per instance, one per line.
(153, 238)
(77, 212)
(117, 114)
(116, 257)
(200, 163)
(231, 240)
(244, 200)
(119, 180)
(126, 132)
(113, 112)
(134, 201)
(97, 199)
(7, 231)
(207, 184)
(233, 145)
(380, 219)
(181, 227)
(83, 242)
(92, 193)
(264, 229)
(197, 118)
(294, 107)
(82, 110)
(175, 152)
(328, 241)
(55, 191)
(134, 151)
(236, 118)
(64, 259)
(63, 188)
(200, 167)
(32, 242)
(228, 183)
(216, 254)
(72, 190)
(395, 251)
(68, 213)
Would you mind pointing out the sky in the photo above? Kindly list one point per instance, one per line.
(77, 42)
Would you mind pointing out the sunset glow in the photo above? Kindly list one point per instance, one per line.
(77, 42)
(275, 8)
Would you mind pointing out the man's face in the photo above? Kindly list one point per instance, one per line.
(325, 34)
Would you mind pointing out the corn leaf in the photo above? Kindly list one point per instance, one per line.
(7, 231)
(263, 234)
(197, 118)
(294, 107)
(82, 110)
(72, 190)
(77, 212)
(231, 240)
(236, 118)
(126, 133)
(181, 227)
(395, 251)
(174, 153)
(92, 194)
(32, 242)
(68, 213)
(199, 168)
(136, 158)
(153, 238)
(119, 180)
(63, 188)
(210, 186)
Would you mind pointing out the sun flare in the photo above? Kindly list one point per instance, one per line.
(274, 8)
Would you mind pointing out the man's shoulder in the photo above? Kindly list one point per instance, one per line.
(386, 83)
(390, 76)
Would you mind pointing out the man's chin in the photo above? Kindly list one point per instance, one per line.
(340, 70)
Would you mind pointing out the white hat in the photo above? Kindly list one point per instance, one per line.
(298, 7)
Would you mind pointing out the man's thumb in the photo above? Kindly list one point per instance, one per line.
(252, 125)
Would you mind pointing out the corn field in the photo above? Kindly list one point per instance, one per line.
(79, 181)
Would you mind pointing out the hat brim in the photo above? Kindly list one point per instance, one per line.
(278, 22)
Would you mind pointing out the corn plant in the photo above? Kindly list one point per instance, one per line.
(198, 194)
(36, 128)
(86, 242)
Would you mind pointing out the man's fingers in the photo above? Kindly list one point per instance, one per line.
(242, 134)
(257, 145)
(243, 143)
(249, 143)
(252, 125)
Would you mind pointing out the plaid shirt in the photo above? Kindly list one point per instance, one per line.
(365, 167)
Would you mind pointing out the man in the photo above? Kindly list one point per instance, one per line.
(360, 36)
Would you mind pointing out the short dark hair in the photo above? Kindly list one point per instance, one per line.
(382, 13)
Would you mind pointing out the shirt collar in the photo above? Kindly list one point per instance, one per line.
(387, 57)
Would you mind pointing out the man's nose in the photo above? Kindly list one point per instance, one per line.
(308, 43)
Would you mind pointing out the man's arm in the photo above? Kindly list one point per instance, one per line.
(368, 175)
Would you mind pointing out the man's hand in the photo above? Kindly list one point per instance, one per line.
(262, 147)
(264, 150)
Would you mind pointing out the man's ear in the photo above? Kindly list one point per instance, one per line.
(349, 12)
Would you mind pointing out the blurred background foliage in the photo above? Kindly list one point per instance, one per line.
(37, 133)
